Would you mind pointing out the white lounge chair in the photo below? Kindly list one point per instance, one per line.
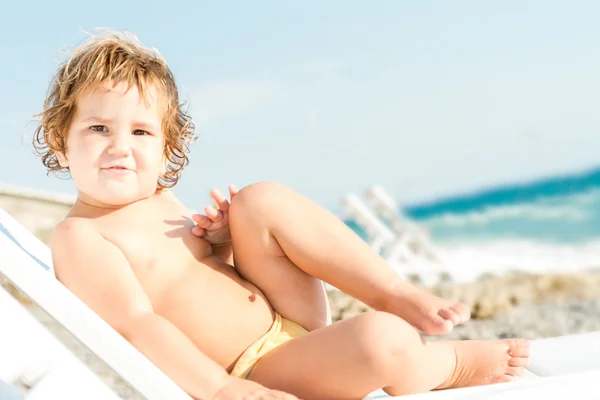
(35, 364)
(379, 235)
(32, 357)
(387, 208)
(396, 249)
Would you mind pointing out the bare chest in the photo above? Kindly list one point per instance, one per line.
(160, 251)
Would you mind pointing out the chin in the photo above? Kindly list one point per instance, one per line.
(117, 198)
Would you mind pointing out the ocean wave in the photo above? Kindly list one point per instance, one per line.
(581, 186)
(521, 211)
(571, 218)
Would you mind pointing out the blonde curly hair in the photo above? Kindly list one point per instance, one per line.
(114, 57)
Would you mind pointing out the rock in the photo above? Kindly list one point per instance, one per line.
(494, 295)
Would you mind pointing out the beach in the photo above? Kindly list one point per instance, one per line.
(516, 305)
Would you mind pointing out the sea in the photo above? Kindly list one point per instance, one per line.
(545, 225)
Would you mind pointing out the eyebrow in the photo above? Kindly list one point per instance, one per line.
(96, 119)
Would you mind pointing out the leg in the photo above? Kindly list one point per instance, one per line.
(281, 239)
(351, 358)
(259, 258)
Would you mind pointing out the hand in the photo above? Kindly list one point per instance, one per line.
(241, 389)
(214, 226)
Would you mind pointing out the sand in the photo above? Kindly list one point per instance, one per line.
(492, 295)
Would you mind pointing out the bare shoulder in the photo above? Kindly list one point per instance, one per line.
(69, 226)
(96, 271)
(168, 200)
(71, 236)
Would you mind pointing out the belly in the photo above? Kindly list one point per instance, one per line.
(219, 311)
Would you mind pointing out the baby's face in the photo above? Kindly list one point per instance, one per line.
(115, 145)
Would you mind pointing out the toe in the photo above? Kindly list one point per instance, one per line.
(523, 362)
(450, 315)
(515, 371)
(518, 347)
(462, 311)
(504, 379)
(437, 325)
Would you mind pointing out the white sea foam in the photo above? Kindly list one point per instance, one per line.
(467, 262)
(528, 211)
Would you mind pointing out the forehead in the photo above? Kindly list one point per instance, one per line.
(121, 98)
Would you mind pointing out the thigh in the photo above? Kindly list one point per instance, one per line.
(341, 361)
(258, 258)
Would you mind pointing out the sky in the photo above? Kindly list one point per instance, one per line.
(426, 98)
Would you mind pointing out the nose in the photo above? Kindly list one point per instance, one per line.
(120, 145)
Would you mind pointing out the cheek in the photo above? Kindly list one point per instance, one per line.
(77, 145)
(153, 159)
(163, 163)
(161, 157)
(80, 155)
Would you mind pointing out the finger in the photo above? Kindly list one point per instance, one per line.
(220, 200)
(232, 191)
(259, 394)
(202, 221)
(198, 231)
(285, 396)
(214, 214)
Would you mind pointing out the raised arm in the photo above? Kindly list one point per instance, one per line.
(98, 273)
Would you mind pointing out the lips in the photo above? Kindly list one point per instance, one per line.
(117, 169)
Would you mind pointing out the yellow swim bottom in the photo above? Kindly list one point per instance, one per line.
(281, 331)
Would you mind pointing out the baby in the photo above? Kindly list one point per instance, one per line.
(231, 302)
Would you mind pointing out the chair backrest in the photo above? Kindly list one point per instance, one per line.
(366, 218)
(26, 240)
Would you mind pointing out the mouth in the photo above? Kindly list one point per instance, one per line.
(118, 169)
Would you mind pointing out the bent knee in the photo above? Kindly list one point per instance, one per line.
(258, 197)
(385, 339)
(258, 192)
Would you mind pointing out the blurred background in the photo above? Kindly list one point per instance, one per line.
(461, 139)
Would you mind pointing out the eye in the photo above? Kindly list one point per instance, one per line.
(98, 128)
(139, 132)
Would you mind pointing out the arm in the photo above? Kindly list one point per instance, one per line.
(224, 252)
(97, 272)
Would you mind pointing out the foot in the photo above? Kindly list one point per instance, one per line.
(483, 362)
(430, 314)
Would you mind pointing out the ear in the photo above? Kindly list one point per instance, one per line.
(60, 155)
(62, 159)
